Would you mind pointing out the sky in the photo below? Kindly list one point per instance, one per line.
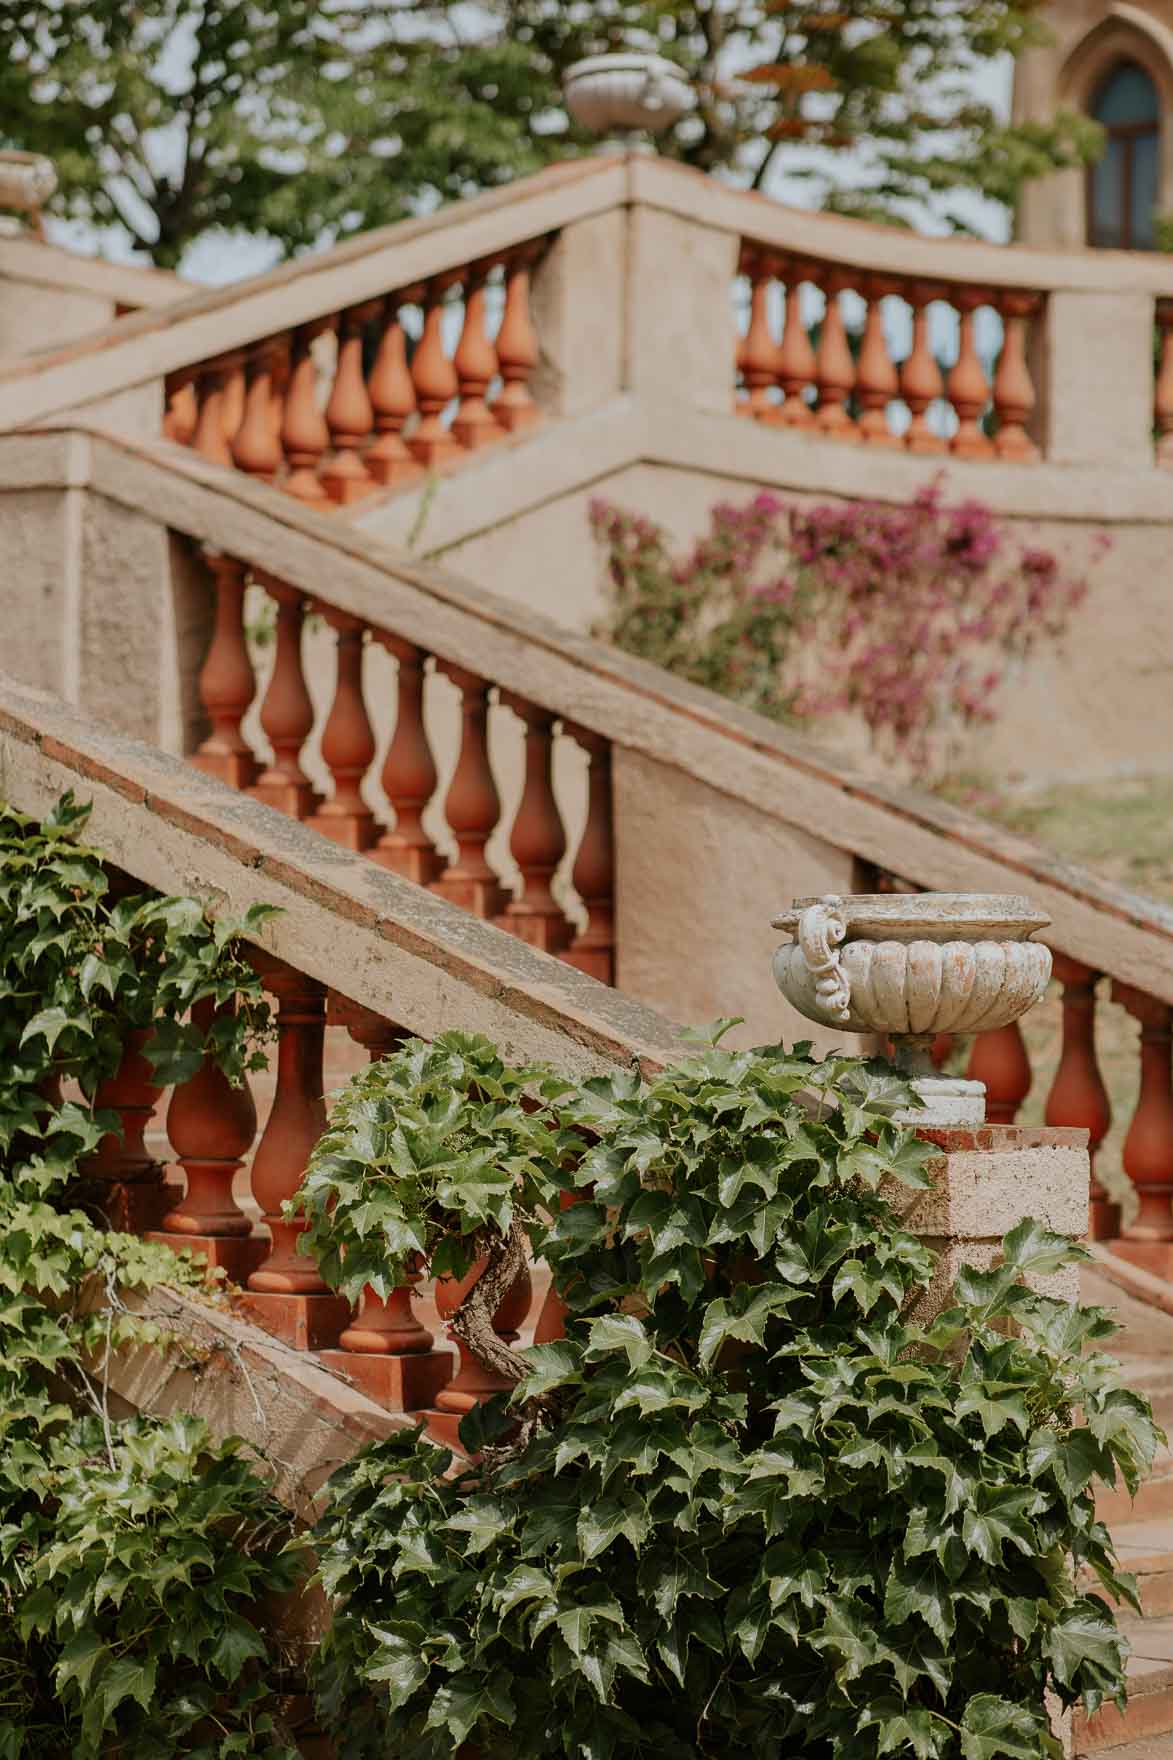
(223, 256)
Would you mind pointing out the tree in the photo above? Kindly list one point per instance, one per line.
(307, 121)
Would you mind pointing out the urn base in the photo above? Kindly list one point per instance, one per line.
(947, 1100)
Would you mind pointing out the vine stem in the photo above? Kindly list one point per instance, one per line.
(472, 1322)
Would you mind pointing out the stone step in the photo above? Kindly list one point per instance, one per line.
(1149, 1711)
(1145, 1549)
(1154, 1500)
(1147, 1748)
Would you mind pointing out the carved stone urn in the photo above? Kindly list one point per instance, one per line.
(27, 180)
(621, 95)
(910, 966)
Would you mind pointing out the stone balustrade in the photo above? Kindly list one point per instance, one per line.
(407, 776)
(371, 397)
(847, 385)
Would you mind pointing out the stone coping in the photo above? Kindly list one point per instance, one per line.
(745, 756)
(380, 940)
(38, 262)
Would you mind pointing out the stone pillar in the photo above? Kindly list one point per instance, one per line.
(680, 328)
(988, 1178)
(577, 307)
(1096, 391)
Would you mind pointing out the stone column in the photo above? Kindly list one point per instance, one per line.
(1096, 372)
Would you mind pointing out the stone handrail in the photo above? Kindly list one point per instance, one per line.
(212, 327)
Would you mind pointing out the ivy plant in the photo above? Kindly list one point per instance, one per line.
(764, 1497)
(132, 1553)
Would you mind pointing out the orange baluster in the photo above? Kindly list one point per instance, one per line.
(287, 713)
(1148, 1147)
(758, 355)
(834, 367)
(255, 447)
(517, 348)
(211, 1126)
(436, 384)
(409, 773)
(876, 380)
(386, 1350)
(795, 360)
(226, 682)
(179, 422)
(393, 401)
(1014, 392)
(1163, 390)
(472, 806)
(232, 401)
(348, 745)
(349, 415)
(287, 1293)
(593, 874)
(538, 840)
(1078, 1096)
(475, 362)
(968, 390)
(304, 434)
(209, 439)
(1000, 1060)
(279, 368)
(921, 383)
(132, 1193)
(475, 1382)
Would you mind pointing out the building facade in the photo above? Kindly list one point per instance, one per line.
(1111, 60)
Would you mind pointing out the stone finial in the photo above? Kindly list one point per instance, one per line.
(623, 96)
(27, 182)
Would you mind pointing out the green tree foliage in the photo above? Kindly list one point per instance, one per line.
(302, 122)
(131, 1553)
(762, 1498)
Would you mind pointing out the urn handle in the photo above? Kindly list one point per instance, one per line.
(821, 932)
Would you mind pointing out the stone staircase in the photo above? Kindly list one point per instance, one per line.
(1143, 1532)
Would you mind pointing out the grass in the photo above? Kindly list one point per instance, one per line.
(1123, 830)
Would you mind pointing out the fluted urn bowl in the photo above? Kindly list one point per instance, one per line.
(614, 94)
(27, 180)
(911, 966)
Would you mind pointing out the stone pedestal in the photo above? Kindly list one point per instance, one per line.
(988, 1178)
(237, 1256)
(408, 1382)
(306, 1322)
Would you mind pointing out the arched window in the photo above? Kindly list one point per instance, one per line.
(1122, 186)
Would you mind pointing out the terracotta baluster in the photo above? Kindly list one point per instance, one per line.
(921, 383)
(211, 1126)
(876, 379)
(473, 1382)
(834, 367)
(1014, 392)
(256, 448)
(304, 434)
(475, 362)
(226, 682)
(279, 366)
(286, 1293)
(551, 1321)
(392, 397)
(1000, 1060)
(348, 744)
(209, 439)
(132, 1191)
(386, 1350)
(795, 360)
(758, 355)
(1163, 390)
(1148, 1147)
(409, 773)
(538, 839)
(349, 415)
(232, 401)
(472, 806)
(966, 383)
(436, 384)
(1078, 1096)
(593, 874)
(179, 422)
(517, 349)
(287, 713)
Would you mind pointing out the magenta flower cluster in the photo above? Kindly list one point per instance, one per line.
(908, 616)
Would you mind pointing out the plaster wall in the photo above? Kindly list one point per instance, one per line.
(40, 528)
(699, 877)
(33, 317)
(1097, 706)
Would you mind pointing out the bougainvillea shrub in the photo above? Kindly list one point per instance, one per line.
(909, 618)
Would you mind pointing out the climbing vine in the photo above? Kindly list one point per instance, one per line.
(132, 1553)
(766, 1496)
